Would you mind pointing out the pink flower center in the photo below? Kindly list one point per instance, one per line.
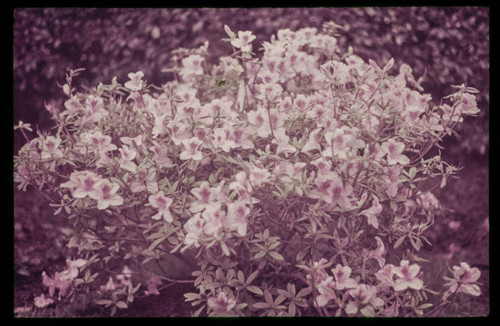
(50, 145)
(337, 191)
(193, 147)
(106, 191)
(392, 149)
(240, 211)
(162, 202)
(88, 184)
(205, 195)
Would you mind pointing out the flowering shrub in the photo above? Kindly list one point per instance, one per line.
(291, 185)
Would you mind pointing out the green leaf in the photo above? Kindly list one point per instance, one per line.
(156, 243)
(255, 289)
(276, 255)
(279, 299)
(104, 302)
(197, 312)
(303, 292)
(73, 240)
(225, 249)
(394, 206)
(416, 243)
(443, 182)
(121, 305)
(260, 254)
(301, 254)
(412, 172)
(261, 305)
(252, 277)
(191, 296)
(399, 242)
(241, 276)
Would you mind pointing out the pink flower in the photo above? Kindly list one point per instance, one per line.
(125, 276)
(159, 128)
(153, 283)
(230, 67)
(468, 104)
(194, 230)
(215, 219)
(109, 286)
(464, 280)
(127, 155)
(162, 203)
(60, 282)
(391, 179)
(372, 212)
(221, 139)
(337, 143)
(342, 278)
(160, 154)
(105, 194)
(72, 105)
(386, 276)
(317, 271)
(237, 213)
(205, 196)
(82, 183)
(243, 41)
(322, 164)
(269, 92)
(145, 180)
(268, 77)
(379, 252)
(394, 151)
(292, 172)
(135, 143)
(192, 149)
(96, 141)
(325, 288)
(135, 83)
(42, 302)
(138, 99)
(259, 120)
(408, 277)
(191, 67)
(50, 147)
(282, 140)
(323, 183)
(338, 194)
(239, 135)
(72, 267)
(365, 300)
(258, 176)
(313, 142)
(240, 184)
(428, 200)
(451, 114)
(94, 104)
(221, 303)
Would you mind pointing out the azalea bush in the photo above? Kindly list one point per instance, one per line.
(293, 184)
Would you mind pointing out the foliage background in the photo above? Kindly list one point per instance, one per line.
(450, 45)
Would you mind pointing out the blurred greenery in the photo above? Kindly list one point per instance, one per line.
(450, 45)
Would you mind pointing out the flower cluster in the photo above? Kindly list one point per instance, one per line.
(266, 170)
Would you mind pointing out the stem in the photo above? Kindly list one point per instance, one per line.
(24, 134)
(269, 116)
